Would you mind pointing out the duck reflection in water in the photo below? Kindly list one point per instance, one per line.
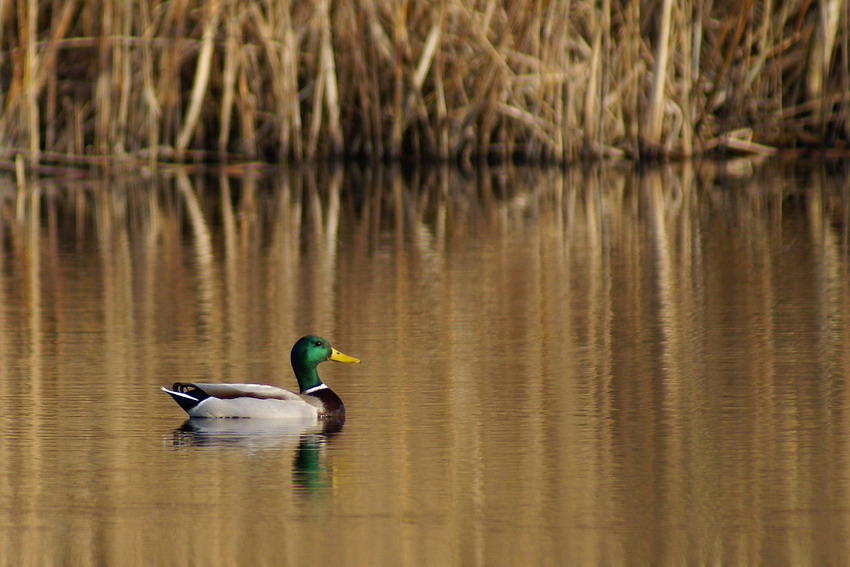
(311, 470)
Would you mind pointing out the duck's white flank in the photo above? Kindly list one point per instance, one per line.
(254, 407)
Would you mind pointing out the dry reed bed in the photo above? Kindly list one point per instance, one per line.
(228, 79)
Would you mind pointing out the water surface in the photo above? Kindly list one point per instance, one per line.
(597, 368)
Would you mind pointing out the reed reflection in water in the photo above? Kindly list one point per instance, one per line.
(595, 368)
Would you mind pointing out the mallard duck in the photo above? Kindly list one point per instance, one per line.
(316, 400)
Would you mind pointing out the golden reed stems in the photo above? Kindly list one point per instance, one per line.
(531, 79)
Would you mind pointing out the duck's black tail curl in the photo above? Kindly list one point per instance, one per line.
(187, 395)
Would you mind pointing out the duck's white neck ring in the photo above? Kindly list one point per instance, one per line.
(316, 389)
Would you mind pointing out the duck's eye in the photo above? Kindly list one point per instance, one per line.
(318, 343)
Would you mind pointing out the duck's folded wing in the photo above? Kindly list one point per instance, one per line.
(231, 391)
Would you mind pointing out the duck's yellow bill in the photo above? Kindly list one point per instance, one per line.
(339, 357)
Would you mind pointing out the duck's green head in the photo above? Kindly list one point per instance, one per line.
(307, 353)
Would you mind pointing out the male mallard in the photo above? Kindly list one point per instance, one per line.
(316, 400)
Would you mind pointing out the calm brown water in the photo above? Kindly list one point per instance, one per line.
(559, 369)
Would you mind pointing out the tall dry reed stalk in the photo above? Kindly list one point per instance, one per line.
(530, 79)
